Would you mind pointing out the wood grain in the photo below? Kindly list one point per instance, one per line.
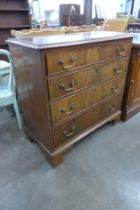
(77, 125)
(85, 76)
(65, 93)
(62, 109)
(131, 100)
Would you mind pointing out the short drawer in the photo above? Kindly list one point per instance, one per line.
(86, 120)
(115, 49)
(64, 108)
(65, 59)
(86, 76)
(121, 48)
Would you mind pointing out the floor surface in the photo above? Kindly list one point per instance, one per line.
(102, 172)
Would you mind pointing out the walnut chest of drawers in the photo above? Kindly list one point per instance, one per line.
(69, 85)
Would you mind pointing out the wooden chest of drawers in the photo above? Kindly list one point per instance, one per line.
(69, 86)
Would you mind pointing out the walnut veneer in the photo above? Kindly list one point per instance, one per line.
(131, 101)
(69, 85)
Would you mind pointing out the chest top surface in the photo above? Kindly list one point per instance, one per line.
(71, 39)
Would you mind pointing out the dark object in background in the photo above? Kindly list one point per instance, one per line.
(66, 11)
(98, 21)
(73, 20)
(88, 11)
(139, 14)
(13, 15)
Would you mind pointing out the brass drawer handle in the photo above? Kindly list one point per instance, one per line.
(115, 89)
(113, 108)
(69, 133)
(120, 50)
(117, 70)
(71, 59)
(63, 86)
(70, 111)
(68, 67)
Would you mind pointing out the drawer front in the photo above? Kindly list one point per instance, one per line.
(67, 107)
(115, 49)
(63, 85)
(65, 59)
(77, 125)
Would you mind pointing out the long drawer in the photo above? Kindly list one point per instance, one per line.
(86, 76)
(62, 109)
(69, 58)
(77, 125)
